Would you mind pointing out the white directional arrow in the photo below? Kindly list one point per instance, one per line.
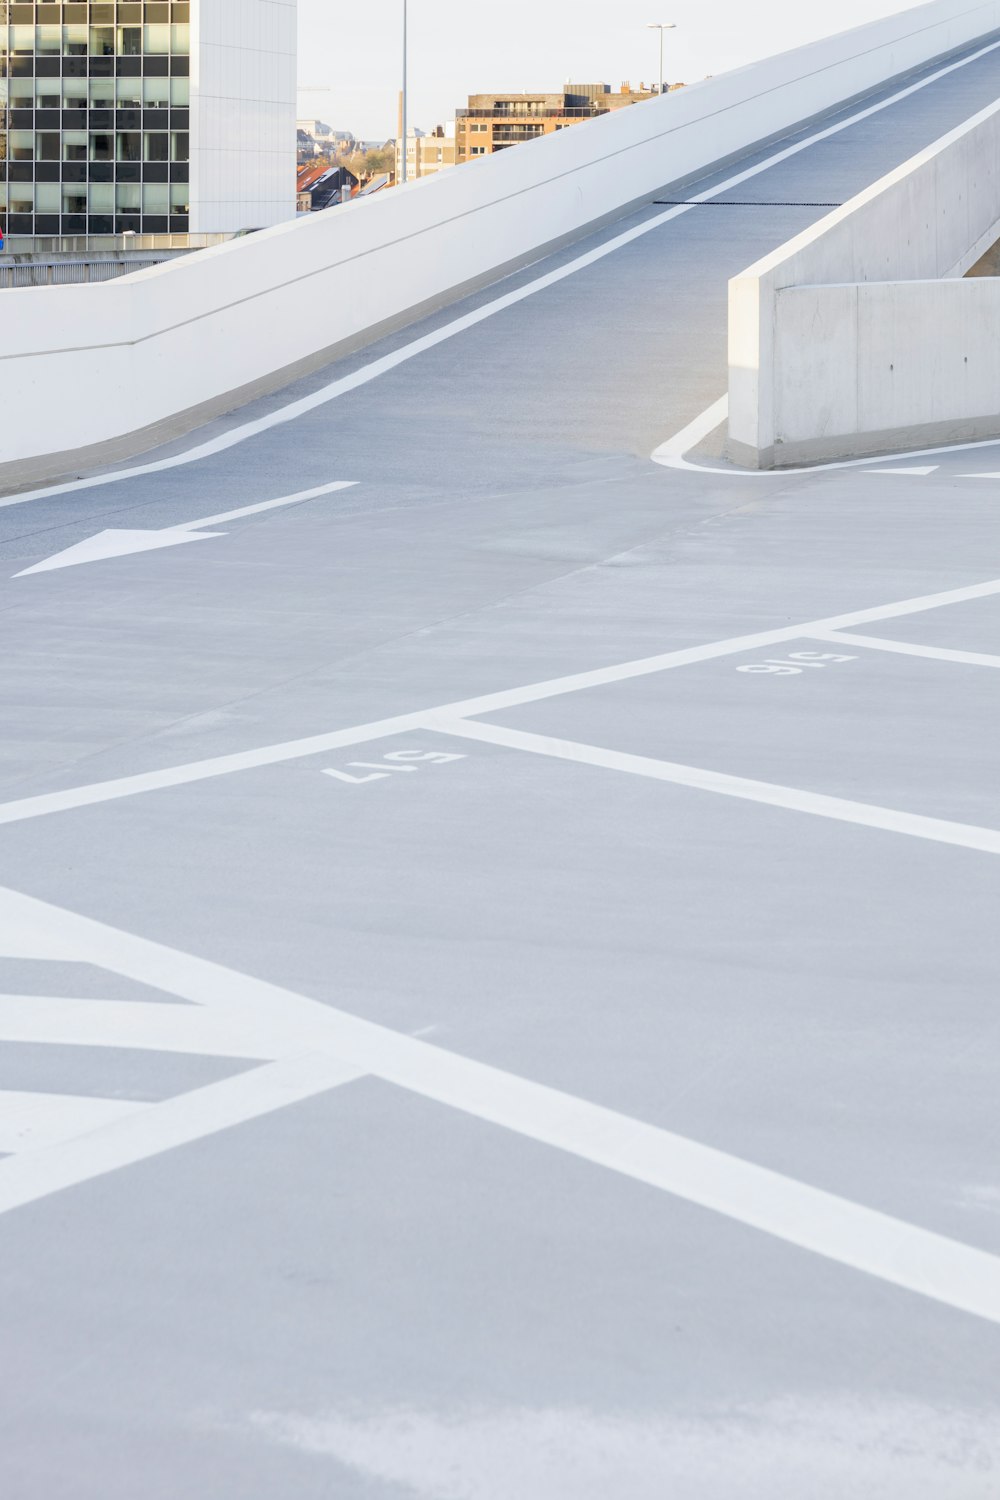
(119, 543)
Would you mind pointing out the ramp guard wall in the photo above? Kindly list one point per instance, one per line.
(859, 336)
(94, 374)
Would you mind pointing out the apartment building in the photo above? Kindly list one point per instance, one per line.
(492, 122)
(427, 154)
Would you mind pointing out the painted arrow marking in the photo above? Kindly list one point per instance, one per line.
(120, 542)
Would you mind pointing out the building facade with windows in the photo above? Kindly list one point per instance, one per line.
(147, 116)
(493, 122)
(426, 155)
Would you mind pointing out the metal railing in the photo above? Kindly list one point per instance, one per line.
(114, 244)
(71, 272)
(590, 113)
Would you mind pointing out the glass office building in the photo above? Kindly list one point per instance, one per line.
(96, 136)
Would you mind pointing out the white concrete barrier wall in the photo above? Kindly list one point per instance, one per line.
(887, 366)
(838, 343)
(99, 368)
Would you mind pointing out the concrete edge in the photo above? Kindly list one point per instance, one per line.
(875, 445)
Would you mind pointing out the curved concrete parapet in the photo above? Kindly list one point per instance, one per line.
(94, 374)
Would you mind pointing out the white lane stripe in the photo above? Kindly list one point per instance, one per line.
(907, 648)
(419, 346)
(263, 505)
(135, 1026)
(673, 453)
(862, 1238)
(940, 831)
(30, 1122)
(163, 1127)
(269, 755)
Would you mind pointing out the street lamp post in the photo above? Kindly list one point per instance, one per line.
(661, 27)
(404, 111)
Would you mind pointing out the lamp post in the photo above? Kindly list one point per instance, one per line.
(403, 111)
(661, 27)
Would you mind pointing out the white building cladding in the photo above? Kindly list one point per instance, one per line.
(146, 115)
(243, 111)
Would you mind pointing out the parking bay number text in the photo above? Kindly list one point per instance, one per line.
(392, 764)
(796, 663)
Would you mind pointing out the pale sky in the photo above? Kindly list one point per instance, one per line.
(352, 51)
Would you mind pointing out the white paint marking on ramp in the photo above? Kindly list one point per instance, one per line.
(270, 755)
(673, 454)
(908, 648)
(938, 830)
(115, 543)
(345, 1047)
(121, 543)
(30, 1122)
(918, 471)
(421, 345)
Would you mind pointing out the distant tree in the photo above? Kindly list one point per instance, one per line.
(368, 164)
(381, 160)
(356, 163)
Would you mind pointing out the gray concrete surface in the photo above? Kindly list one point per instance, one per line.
(381, 1291)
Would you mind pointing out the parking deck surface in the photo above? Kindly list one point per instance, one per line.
(499, 963)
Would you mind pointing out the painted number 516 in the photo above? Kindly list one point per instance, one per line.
(796, 663)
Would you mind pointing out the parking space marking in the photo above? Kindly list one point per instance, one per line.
(158, 1128)
(29, 1122)
(269, 755)
(134, 1026)
(334, 1048)
(907, 648)
(938, 830)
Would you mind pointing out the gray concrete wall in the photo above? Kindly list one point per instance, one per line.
(859, 336)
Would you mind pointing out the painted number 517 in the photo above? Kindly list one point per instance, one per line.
(395, 762)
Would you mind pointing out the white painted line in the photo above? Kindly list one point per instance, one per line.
(673, 454)
(964, 835)
(289, 750)
(136, 1026)
(30, 1122)
(896, 1252)
(907, 648)
(460, 325)
(255, 510)
(918, 471)
(163, 1127)
(119, 542)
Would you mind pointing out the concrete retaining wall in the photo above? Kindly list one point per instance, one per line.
(856, 338)
(93, 373)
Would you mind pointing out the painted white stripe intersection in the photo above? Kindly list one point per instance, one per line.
(324, 1048)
